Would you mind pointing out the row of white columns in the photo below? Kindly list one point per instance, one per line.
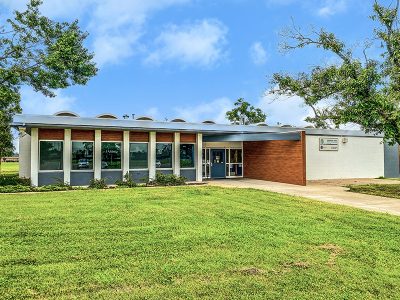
(125, 155)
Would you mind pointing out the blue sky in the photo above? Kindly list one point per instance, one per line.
(191, 58)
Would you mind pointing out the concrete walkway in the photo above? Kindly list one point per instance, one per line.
(327, 191)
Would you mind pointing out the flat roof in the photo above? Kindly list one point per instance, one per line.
(51, 121)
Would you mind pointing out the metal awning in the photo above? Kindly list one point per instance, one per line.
(254, 137)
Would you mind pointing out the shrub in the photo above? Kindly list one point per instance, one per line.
(98, 184)
(18, 188)
(126, 182)
(46, 188)
(52, 188)
(167, 180)
(13, 180)
(62, 185)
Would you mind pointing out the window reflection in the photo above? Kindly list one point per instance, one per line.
(111, 155)
(51, 155)
(164, 155)
(82, 155)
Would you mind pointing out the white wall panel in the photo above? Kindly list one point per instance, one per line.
(360, 157)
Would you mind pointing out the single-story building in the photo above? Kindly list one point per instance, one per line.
(66, 147)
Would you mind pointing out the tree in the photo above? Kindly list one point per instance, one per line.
(43, 54)
(245, 114)
(357, 90)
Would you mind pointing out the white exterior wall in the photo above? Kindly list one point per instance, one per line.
(360, 157)
(24, 155)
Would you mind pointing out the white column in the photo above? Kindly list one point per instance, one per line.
(199, 163)
(177, 150)
(34, 156)
(125, 155)
(67, 155)
(24, 154)
(152, 155)
(97, 154)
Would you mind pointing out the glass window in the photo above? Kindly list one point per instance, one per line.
(236, 156)
(51, 155)
(138, 155)
(111, 155)
(235, 170)
(164, 155)
(82, 155)
(187, 156)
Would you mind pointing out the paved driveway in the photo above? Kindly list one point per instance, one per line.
(328, 191)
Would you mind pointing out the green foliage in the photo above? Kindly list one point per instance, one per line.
(356, 90)
(41, 53)
(126, 182)
(19, 188)
(193, 242)
(384, 190)
(97, 184)
(167, 180)
(14, 180)
(245, 114)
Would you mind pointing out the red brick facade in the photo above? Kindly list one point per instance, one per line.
(188, 138)
(110, 136)
(279, 161)
(51, 134)
(165, 137)
(138, 136)
(82, 135)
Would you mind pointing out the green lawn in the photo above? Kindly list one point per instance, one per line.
(193, 242)
(8, 168)
(385, 190)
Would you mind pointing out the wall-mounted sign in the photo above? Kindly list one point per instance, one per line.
(328, 144)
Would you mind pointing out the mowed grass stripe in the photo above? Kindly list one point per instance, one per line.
(193, 242)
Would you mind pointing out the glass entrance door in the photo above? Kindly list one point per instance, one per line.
(217, 163)
(206, 163)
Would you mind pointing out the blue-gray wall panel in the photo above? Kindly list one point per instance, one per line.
(392, 161)
(48, 178)
(111, 176)
(189, 174)
(139, 176)
(81, 178)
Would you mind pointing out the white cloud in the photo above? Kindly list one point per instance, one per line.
(214, 111)
(285, 110)
(258, 54)
(332, 7)
(114, 26)
(280, 109)
(323, 8)
(154, 113)
(200, 43)
(36, 103)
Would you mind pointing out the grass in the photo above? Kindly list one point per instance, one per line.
(9, 168)
(193, 242)
(384, 190)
